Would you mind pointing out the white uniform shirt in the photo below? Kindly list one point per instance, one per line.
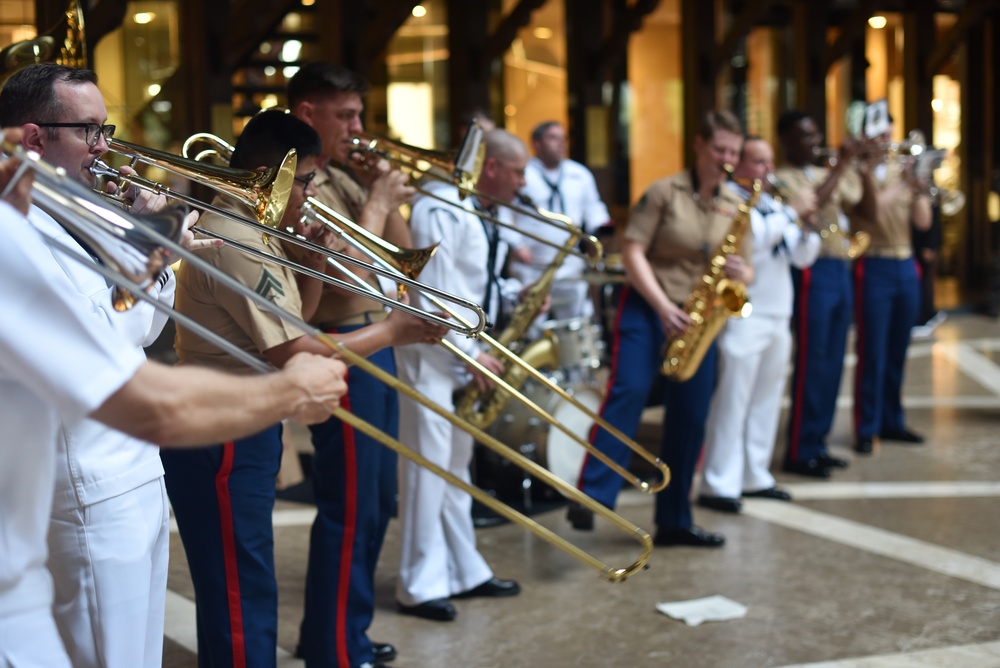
(778, 244)
(575, 195)
(460, 264)
(94, 462)
(54, 363)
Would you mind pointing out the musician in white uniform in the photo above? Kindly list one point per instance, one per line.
(439, 557)
(58, 362)
(754, 351)
(556, 183)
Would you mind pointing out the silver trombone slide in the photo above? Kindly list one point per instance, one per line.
(100, 168)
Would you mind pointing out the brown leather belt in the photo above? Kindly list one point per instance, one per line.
(890, 252)
(366, 318)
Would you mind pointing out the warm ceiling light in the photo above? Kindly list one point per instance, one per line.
(308, 3)
(419, 11)
(877, 22)
(143, 18)
(542, 33)
(937, 104)
(153, 90)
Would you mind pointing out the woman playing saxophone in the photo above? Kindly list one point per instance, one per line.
(671, 235)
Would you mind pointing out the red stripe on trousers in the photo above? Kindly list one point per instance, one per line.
(350, 529)
(859, 340)
(611, 379)
(229, 556)
(801, 363)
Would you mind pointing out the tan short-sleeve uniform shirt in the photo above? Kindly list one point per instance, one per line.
(890, 234)
(844, 197)
(681, 232)
(232, 316)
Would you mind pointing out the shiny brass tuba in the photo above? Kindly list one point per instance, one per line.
(65, 44)
(713, 301)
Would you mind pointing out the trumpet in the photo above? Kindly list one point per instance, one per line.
(83, 212)
(374, 248)
(267, 194)
(856, 243)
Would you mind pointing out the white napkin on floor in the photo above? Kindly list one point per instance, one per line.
(709, 609)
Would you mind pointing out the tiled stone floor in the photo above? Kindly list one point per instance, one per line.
(894, 562)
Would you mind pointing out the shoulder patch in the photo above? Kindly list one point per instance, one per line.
(269, 287)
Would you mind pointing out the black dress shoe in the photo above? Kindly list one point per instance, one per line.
(693, 536)
(580, 518)
(814, 468)
(833, 462)
(901, 435)
(437, 609)
(384, 652)
(769, 493)
(494, 587)
(864, 446)
(721, 503)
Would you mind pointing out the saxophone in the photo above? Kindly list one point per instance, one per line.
(714, 300)
(543, 353)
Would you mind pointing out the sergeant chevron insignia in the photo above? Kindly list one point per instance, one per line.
(269, 287)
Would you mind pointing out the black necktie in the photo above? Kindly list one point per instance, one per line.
(556, 202)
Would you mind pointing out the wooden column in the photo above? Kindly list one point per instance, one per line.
(810, 21)
(918, 90)
(468, 74)
(698, 48)
(974, 272)
(584, 74)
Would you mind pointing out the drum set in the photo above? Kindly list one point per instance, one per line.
(581, 353)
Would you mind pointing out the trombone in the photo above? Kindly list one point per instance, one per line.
(83, 212)
(375, 249)
(267, 194)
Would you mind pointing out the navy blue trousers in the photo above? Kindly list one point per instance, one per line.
(354, 478)
(636, 361)
(888, 304)
(223, 498)
(823, 306)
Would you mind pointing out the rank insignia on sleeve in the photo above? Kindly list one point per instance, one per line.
(269, 287)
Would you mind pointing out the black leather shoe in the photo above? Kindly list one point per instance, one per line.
(438, 609)
(721, 503)
(833, 462)
(494, 587)
(692, 536)
(902, 436)
(814, 468)
(384, 652)
(864, 446)
(769, 493)
(580, 518)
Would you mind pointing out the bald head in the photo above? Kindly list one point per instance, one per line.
(503, 170)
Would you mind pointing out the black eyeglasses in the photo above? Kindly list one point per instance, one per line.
(307, 179)
(94, 130)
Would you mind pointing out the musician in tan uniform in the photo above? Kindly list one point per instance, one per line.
(823, 292)
(354, 476)
(888, 290)
(223, 496)
(672, 233)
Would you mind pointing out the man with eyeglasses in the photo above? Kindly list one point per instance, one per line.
(223, 496)
(109, 530)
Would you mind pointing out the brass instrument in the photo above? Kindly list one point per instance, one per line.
(856, 243)
(65, 44)
(518, 368)
(77, 202)
(228, 183)
(711, 303)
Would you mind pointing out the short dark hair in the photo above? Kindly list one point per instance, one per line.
(29, 96)
(788, 120)
(541, 129)
(320, 79)
(269, 136)
(719, 119)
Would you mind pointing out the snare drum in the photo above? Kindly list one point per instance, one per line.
(580, 344)
(527, 433)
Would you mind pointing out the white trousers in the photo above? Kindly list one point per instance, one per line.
(109, 564)
(743, 418)
(30, 640)
(439, 556)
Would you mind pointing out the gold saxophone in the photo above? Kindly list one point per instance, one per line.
(714, 300)
(543, 353)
